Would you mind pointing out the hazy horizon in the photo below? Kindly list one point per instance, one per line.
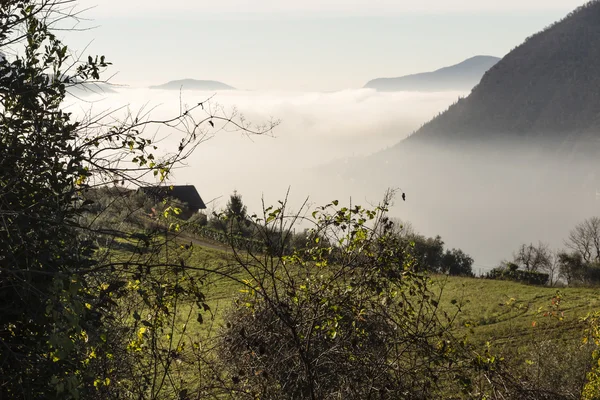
(320, 46)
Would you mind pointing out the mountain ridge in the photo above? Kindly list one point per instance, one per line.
(544, 89)
(461, 76)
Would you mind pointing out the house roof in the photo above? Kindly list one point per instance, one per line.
(184, 193)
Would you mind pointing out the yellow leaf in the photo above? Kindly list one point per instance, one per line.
(141, 332)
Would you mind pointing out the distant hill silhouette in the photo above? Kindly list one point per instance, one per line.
(546, 88)
(461, 76)
(90, 88)
(193, 84)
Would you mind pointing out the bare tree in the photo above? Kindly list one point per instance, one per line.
(532, 258)
(553, 268)
(585, 239)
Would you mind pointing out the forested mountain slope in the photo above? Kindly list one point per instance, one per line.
(548, 87)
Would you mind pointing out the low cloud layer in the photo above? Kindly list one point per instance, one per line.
(485, 200)
(316, 130)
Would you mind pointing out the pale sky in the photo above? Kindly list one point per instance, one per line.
(309, 45)
(335, 7)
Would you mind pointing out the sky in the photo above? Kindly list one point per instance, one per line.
(312, 45)
(348, 7)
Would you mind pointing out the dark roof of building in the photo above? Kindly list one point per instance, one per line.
(184, 193)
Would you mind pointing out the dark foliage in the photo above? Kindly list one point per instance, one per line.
(456, 263)
(576, 271)
(69, 321)
(42, 313)
(428, 254)
(512, 273)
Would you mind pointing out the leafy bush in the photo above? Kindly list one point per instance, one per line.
(428, 254)
(348, 320)
(511, 272)
(456, 263)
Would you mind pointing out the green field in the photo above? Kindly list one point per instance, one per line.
(540, 338)
(502, 312)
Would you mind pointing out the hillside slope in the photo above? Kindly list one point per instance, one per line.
(462, 76)
(546, 87)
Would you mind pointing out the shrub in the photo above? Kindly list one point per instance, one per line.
(348, 320)
(511, 272)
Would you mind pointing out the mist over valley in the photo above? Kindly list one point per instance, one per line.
(483, 197)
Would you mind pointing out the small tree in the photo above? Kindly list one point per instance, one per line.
(456, 262)
(553, 268)
(571, 267)
(235, 207)
(428, 252)
(235, 218)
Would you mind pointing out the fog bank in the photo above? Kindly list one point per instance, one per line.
(317, 129)
(485, 198)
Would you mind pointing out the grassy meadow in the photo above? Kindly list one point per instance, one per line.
(500, 312)
(536, 329)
